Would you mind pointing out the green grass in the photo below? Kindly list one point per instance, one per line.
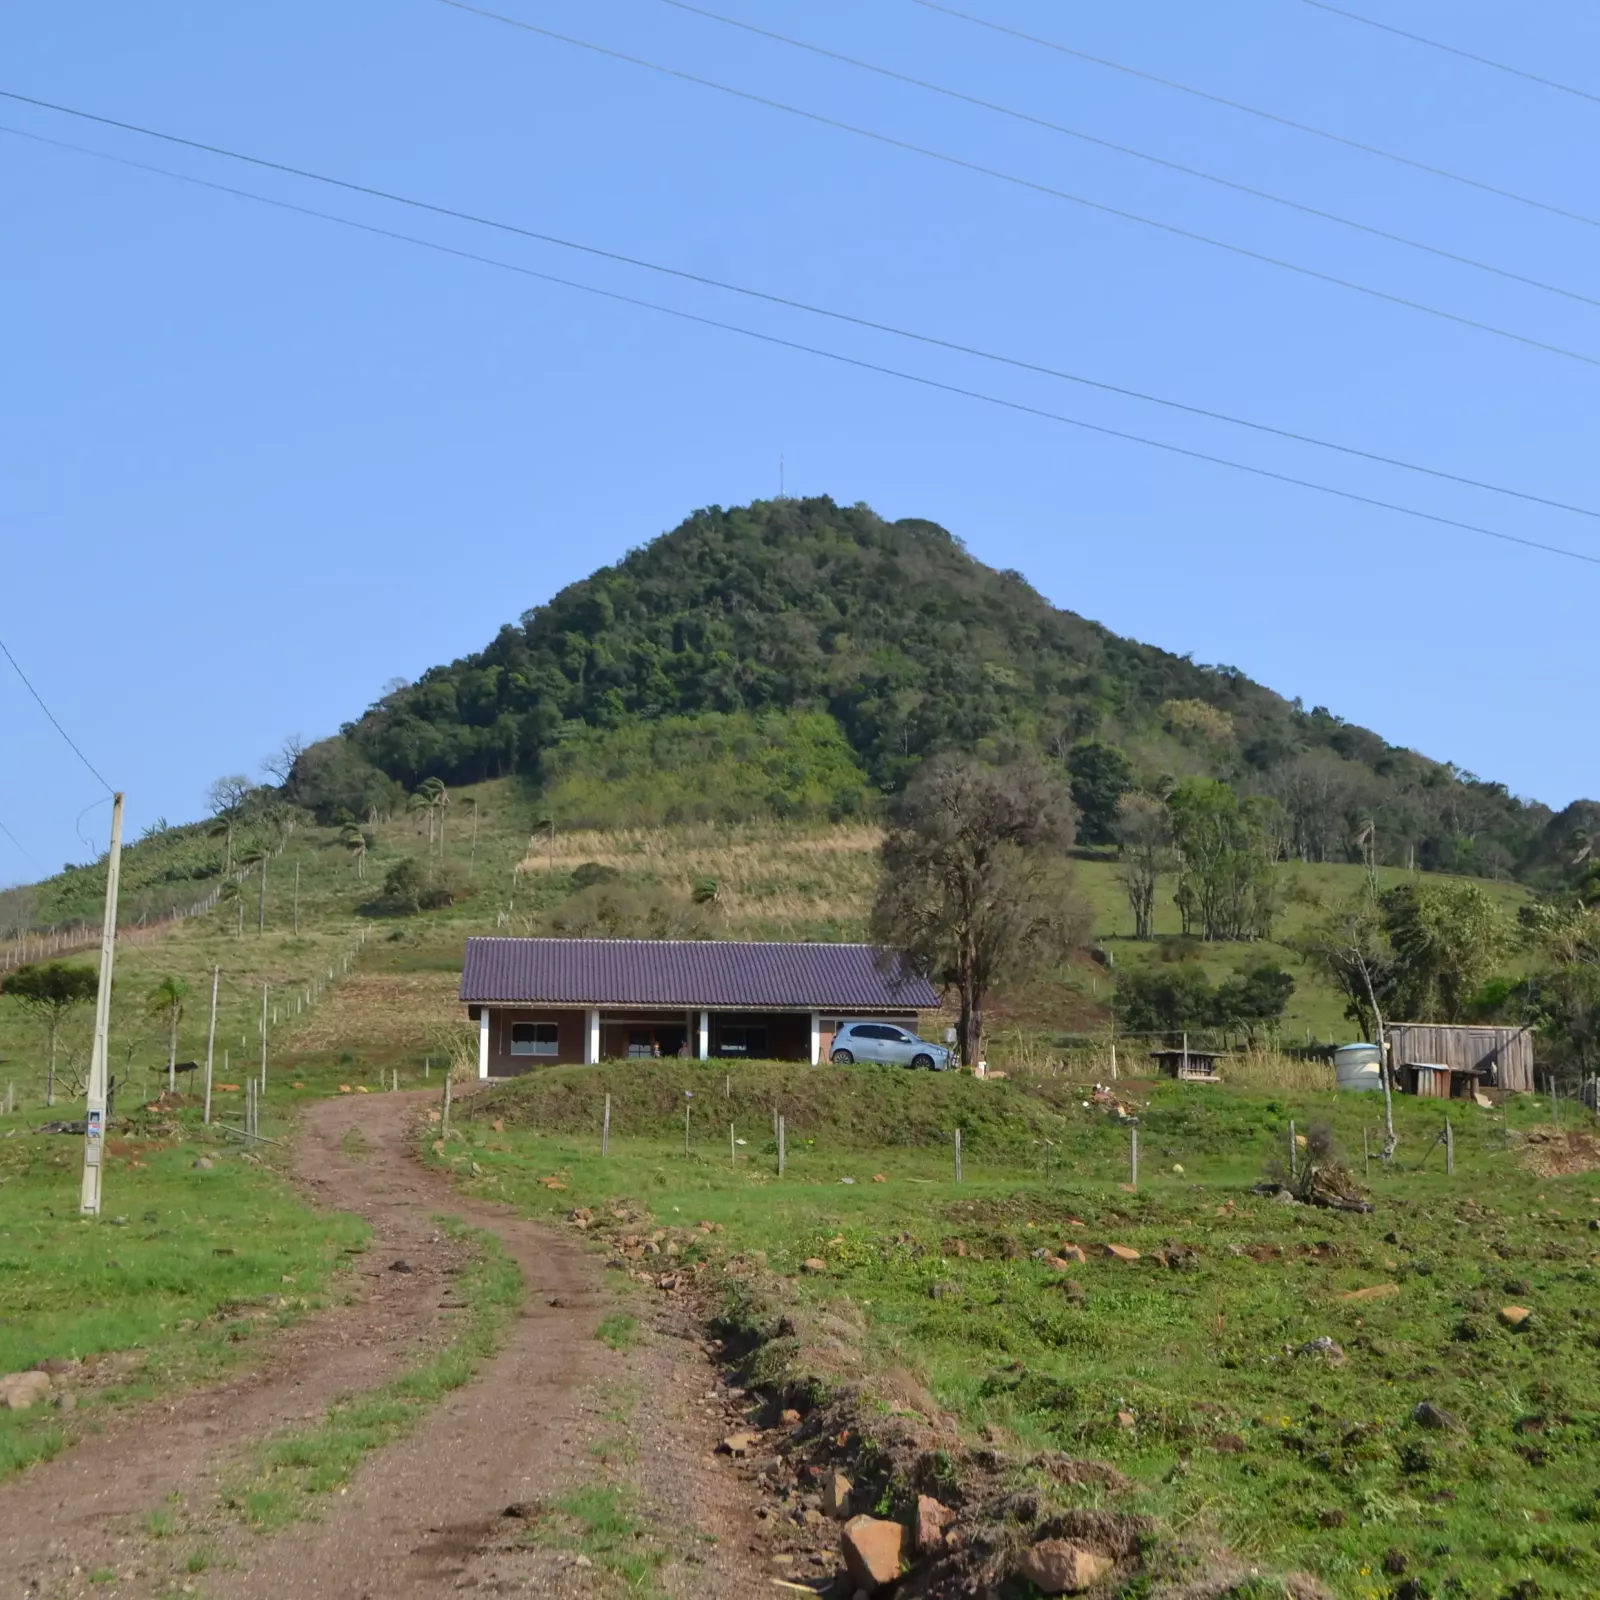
(619, 1329)
(1288, 1462)
(184, 1270)
(288, 1474)
(602, 1521)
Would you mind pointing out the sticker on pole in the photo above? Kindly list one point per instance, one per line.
(94, 1127)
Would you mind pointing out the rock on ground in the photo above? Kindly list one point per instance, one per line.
(872, 1549)
(1058, 1566)
(19, 1390)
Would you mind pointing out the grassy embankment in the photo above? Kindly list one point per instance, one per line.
(1236, 1442)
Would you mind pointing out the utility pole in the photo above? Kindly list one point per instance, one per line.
(94, 1125)
(211, 1039)
(263, 1036)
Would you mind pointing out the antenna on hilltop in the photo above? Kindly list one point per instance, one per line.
(781, 494)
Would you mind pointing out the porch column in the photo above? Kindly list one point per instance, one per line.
(816, 1037)
(591, 1037)
(483, 1043)
(705, 1035)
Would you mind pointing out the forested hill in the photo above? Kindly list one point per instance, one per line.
(909, 645)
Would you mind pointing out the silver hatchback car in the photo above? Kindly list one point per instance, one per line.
(884, 1042)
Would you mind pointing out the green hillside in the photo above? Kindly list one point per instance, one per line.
(909, 645)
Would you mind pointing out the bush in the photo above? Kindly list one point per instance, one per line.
(409, 887)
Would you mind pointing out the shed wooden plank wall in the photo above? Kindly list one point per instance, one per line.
(1508, 1052)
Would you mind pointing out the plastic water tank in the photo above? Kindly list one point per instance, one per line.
(1358, 1066)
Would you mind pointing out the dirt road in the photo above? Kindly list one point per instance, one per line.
(553, 1412)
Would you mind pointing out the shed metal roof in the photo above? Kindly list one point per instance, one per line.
(714, 974)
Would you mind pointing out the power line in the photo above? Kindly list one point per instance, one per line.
(52, 716)
(862, 365)
(1020, 182)
(1138, 155)
(18, 843)
(1453, 50)
(764, 296)
(1266, 116)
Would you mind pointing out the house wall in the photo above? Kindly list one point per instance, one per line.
(569, 1039)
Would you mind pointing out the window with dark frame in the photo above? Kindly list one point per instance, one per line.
(535, 1039)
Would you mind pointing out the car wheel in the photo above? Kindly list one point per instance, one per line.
(922, 1063)
(842, 1058)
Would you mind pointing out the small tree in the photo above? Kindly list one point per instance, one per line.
(1143, 831)
(51, 991)
(975, 885)
(1349, 945)
(228, 798)
(356, 842)
(166, 1000)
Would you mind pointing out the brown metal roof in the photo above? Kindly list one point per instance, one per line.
(715, 974)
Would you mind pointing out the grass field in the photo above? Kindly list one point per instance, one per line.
(199, 1254)
(1188, 1378)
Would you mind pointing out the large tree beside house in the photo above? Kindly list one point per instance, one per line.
(976, 886)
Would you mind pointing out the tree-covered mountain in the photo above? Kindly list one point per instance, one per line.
(910, 645)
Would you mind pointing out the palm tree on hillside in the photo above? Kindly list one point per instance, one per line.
(354, 839)
(167, 999)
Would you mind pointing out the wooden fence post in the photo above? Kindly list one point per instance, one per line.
(444, 1117)
(1366, 1153)
(733, 1150)
(1294, 1152)
(958, 1155)
(781, 1150)
(1449, 1149)
(1133, 1156)
(605, 1129)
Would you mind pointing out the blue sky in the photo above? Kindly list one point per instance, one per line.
(255, 464)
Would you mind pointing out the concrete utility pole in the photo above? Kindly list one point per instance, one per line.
(94, 1125)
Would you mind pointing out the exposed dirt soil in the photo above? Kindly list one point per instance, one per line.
(554, 1411)
(1553, 1153)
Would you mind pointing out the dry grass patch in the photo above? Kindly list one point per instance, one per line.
(395, 1009)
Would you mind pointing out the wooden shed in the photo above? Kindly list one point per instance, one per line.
(1498, 1058)
(1435, 1082)
(1189, 1066)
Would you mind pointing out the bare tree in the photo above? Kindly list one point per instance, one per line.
(281, 762)
(976, 885)
(1143, 831)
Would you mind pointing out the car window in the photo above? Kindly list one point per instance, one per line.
(871, 1030)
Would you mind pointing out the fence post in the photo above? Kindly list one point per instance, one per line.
(1133, 1156)
(781, 1149)
(1449, 1149)
(688, 1098)
(1294, 1152)
(958, 1155)
(605, 1129)
(733, 1151)
(1366, 1153)
(444, 1117)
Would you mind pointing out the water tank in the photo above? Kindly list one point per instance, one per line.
(1358, 1066)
